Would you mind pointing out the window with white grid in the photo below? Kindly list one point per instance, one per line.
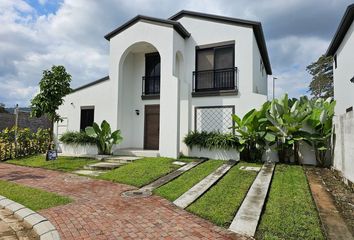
(213, 118)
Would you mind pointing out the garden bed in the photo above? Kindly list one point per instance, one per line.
(290, 212)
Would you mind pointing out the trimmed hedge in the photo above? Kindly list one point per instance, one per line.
(77, 138)
(211, 140)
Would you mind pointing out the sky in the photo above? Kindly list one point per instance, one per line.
(36, 34)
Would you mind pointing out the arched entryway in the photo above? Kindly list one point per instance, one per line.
(139, 96)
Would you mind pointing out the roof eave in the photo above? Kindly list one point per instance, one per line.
(176, 26)
(342, 29)
(257, 29)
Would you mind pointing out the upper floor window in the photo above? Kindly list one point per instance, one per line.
(151, 80)
(215, 68)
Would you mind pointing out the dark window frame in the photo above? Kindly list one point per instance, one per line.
(155, 94)
(93, 117)
(335, 61)
(213, 47)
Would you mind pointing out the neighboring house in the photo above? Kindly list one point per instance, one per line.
(170, 76)
(342, 51)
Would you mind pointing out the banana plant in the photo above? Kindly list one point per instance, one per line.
(252, 133)
(321, 122)
(104, 136)
(286, 118)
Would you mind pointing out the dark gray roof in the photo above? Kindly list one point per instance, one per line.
(342, 30)
(91, 83)
(176, 25)
(257, 29)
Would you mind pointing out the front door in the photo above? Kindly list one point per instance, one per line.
(152, 127)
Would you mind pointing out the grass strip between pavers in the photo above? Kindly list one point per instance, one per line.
(220, 203)
(32, 198)
(183, 183)
(289, 212)
(141, 172)
(65, 164)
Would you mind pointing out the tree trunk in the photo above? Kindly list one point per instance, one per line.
(296, 152)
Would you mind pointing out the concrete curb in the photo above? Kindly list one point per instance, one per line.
(31, 219)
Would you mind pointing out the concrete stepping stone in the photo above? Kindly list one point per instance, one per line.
(121, 159)
(169, 177)
(93, 173)
(248, 168)
(104, 166)
(179, 163)
(197, 190)
(249, 213)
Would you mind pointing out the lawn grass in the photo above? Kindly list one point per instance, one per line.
(32, 198)
(220, 203)
(141, 172)
(66, 164)
(290, 212)
(180, 185)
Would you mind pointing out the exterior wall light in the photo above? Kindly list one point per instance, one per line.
(137, 112)
(352, 80)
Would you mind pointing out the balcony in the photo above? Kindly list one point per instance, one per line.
(150, 87)
(215, 82)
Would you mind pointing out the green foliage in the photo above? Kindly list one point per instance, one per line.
(251, 132)
(321, 85)
(286, 118)
(28, 142)
(211, 140)
(54, 85)
(77, 138)
(105, 138)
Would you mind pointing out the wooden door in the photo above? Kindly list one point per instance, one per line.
(152, 127)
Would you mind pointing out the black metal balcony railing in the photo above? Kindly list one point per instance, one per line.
(215, 80)
(150, 85)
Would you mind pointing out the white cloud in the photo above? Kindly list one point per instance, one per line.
(73, 36)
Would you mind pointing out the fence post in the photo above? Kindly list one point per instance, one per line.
(16, 126)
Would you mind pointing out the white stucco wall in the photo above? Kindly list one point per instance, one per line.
(100, 96)
(260, 83)
(343, 88)
(343, 160)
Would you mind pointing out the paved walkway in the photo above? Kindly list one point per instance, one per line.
(334, 225)
(99, 211)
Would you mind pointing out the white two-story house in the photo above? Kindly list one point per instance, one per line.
(342, 51)
(171, 76)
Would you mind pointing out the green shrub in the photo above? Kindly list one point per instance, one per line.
(211, 140)
(77, 138)
(28, 142)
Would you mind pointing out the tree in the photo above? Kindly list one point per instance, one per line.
(54, 85)
(321, 85)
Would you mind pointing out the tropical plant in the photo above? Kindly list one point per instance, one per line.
(211, 140)
(54, 85)
(252, 134)
(321, 122)
(286, 118)
(77, 138)
(105, 138)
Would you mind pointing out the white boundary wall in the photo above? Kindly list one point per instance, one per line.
(344, 145)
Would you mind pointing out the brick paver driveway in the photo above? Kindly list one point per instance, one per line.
(99, 211)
